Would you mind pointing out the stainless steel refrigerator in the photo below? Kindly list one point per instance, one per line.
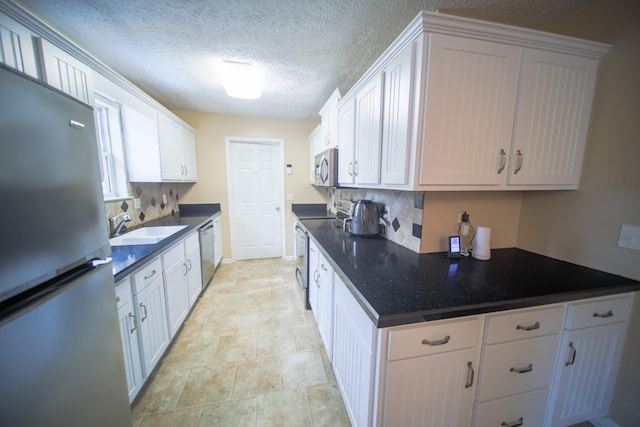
(61, 360)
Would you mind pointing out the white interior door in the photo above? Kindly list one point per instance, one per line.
(256, 191)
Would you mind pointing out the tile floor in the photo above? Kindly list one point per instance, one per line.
(247, 355)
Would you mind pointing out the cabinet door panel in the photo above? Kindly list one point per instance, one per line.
(587, 372)
(151, 310)
(177, 295)
(346, 136)
(368, 132)
(130, 348)
(471, 98)
(188, 140)
(325, 305)
(170, 149)
(67, 74)
(430, 390)
(194, 275)
(554, 107)
(16, 47)
(396, 119)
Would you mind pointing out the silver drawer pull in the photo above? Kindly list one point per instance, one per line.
(517, 423)
(529, 327)
(603, 315)
(133, 320)
(572, 358)
(470, 374)
(150, 274)
(524, 370)
(436, 342)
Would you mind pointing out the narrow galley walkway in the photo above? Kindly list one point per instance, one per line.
(248, 355)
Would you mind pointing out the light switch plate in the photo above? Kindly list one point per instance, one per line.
(289, 196)
(629, 237)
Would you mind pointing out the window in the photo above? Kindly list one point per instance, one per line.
(110, 149)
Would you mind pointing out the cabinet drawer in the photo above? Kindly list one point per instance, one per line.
(517, 367)
(173, 255)
(524, 324)
(597, 312)
(526, 410)
(147, 274)
(123, 292)
(432, 339)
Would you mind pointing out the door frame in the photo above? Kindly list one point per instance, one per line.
(279, 144)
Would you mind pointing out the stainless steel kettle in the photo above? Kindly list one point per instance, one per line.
(365, 219)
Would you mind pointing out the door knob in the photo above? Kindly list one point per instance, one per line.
(278, 208)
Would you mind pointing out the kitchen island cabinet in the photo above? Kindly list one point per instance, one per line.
(386, 296)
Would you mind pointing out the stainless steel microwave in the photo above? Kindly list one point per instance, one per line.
(326, 168)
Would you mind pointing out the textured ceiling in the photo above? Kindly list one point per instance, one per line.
(305, 48)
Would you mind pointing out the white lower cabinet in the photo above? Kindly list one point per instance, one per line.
(525, 410)
(354, 344)
(182, 280)
(325, 304)
(430, 375)
(129, 337)
(313, 267)
(151, 303)
(588, 364)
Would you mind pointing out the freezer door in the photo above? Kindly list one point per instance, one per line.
(62, 362)
(53, 216)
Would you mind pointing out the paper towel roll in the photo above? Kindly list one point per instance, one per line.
(482, 248)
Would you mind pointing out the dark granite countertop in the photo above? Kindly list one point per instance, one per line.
(397, 286)
(126, 259)
(311, 211)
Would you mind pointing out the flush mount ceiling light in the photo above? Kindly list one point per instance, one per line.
(240, 79)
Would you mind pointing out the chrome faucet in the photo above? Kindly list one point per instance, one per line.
(118, 227)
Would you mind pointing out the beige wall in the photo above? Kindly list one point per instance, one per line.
(499, 210)
(583, 226)
(211, 130)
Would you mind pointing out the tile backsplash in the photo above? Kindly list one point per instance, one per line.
(151, 204)
(404, 225)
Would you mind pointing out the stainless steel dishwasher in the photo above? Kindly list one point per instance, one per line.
(207, 259)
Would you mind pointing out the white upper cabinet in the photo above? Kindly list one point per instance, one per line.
(329, 120)
(347, 138)
(66, 73)
(470, 107)
(396, 116)
(177, 151)
(316, 145)
(16, 47)
(552, 119)
(157, 149)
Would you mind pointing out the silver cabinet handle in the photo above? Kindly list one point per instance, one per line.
(144, 307)
(519, 162)
(350, 168)
(603, 315)
(503, 161)
(517, 423)
(150, 274)
(529, 327)
(186, 269)
(355, 168)
(572, 357)
(76, 125)
(436, 342)
(133, 319)
(524, 370)
(322, 266)
(470, 374)
(117, 299)
(190, 264)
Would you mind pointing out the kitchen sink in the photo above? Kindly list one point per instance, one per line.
(145, 235)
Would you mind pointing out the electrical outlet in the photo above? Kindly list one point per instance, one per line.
(136, 203)
(629, 237)
(164, 199)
